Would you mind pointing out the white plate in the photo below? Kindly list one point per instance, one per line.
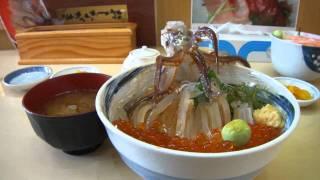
(314, 91)
(76, 69)
(21, 80)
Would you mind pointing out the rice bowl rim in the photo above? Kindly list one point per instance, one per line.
(110, 127)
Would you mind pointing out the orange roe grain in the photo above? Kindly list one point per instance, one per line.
(260, 134)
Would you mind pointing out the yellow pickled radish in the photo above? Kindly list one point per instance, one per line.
(299, 93)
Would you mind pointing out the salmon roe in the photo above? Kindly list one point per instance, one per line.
(260, 134)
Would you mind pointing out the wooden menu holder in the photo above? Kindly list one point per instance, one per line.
(76, 43)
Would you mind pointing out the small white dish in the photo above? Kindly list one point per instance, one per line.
(314, 91)
(76, 69)
(21, 80)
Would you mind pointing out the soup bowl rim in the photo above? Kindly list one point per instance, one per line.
(59, 117)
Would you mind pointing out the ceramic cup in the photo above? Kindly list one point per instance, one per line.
(295, 60)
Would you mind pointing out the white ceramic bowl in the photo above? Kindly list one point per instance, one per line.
(314, 91)
(153, 162)
(295, 60)
(76, 69)
(21, 80)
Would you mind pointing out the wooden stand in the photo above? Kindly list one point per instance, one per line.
(76, 44)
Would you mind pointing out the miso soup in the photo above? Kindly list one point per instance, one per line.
(71, 103)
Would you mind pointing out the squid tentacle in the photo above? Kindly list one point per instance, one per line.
(161, 62)
(208, 32)
(204, 79)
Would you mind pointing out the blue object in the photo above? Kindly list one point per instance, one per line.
(205, 44)
(311, 56)
(253, 46)
(244, 51)
(227, 47)
(27, 75)
(223, 45)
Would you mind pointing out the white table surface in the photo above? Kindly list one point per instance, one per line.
(24, 156)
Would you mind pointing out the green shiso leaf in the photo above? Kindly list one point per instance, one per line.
(240, 92)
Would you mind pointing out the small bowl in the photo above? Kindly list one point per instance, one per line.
(315, 93)
(295, 60)
(21, 80)
(73, 134)
(76, 69)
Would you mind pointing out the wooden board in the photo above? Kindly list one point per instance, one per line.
(71, 44)
(308, 16)
(93, 14)
(112, 60)
(141, 12)
(4, 41)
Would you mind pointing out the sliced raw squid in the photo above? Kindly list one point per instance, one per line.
(186, 105)
(243, 111)
(160, 107)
